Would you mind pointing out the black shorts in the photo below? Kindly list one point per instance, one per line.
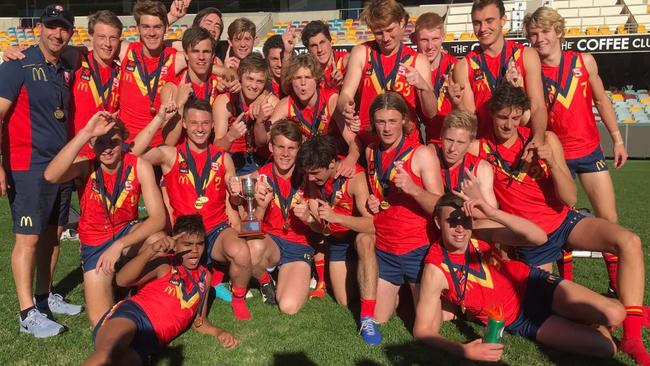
(36, 203)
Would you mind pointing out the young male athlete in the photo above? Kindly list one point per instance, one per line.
(385, 64)
(543, 192)
(280, 206)
(571, 85)
(428, 35)
(338, 211)
(494, 61)
(113, 182)
(468, 273)
(171, 296)
(318, 41)
(405, 185)
(277, 50)
(196, 174)
(34, 100)
(241, 39)
(240, 118)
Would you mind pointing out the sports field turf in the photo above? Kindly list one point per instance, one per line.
(323, 333)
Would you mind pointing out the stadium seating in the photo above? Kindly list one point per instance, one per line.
(630, 106)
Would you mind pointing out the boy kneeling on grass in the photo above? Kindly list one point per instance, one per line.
(171, 295)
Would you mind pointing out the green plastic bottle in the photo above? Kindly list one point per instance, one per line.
(495, 325)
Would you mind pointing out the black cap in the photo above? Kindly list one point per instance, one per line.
(56, 14)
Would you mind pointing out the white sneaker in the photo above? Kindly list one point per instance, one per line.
(70, 234)
(39, 325)
(58, 305)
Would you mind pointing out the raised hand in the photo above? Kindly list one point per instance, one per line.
(238, 127)
(475, 204)
(263, 192)
(301, 210)
(413, 77)
(289, 39)
(185, 90)
(168, 109)
(231, 62)
(454, 90)
(99, 124)
(373, 204)
(543, 152)
(513, 74)
(165, 245)
(403, 180)
(178, 8)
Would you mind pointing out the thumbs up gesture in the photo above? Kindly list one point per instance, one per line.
(413, 77)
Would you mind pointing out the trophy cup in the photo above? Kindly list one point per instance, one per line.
(250, 226)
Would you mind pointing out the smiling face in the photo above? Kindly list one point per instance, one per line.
(429, 42)
(506, 122)
(108, 148)
(303, 85)
(488, 25)
(275, 62)
(389, 37)
(455, 228)
(198, 125)
(152, 31)
(389, 125)
(321, 48)
(213, 24)
(54, 37)
(242, 44)
(546, 41)
(252, 84)
(284, 153)
(455, 142)
(106, 42)
(190, 247)
(320, 176)
(199, 57)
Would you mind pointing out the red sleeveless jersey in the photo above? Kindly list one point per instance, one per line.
(91, 81)
(206, 91)
(454, 176)
(237, 105)
(524, 189)
(380, 74)
(275, 88)
(181, 183)
(485, 73)
(402, 227)
(434, 125)
(135, 101)
(171, 302)
(327, 82)
(336, 192)
(490, 280)
(100, 221)
(568, 101)
(274, 217)
(304, 117)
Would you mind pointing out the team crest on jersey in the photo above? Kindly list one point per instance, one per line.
(66, 76)
(339, 195)
(130, 66)
(182, 167)
(577, 72)
(201, 287)
(214, 166)
(163, 71)
(94, 186)
(85, 74)
(368, 71)
(478, 74)
(128, 185)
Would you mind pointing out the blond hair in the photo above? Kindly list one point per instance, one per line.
(460, 119)
(381, 13)
(545, 17)
(290, 69)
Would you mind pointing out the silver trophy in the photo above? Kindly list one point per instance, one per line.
(250, 226)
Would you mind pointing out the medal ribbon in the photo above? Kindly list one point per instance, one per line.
(314, 125)
(438, 80)
(550, 83)
(384, 177)
(110, 200)
(239, 109)
(285, 202)
(461, 176)
(195, 286)
(102, 88)
(454, 275)
(493, 82)
(377, 65)
(336, 186)
(146, 77)
(501, 162)
(207, 93)
(200, 181)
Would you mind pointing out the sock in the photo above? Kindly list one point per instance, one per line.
(217, 276)
(565, 265)
(320, 271)
(266, 278)
(239, 308)
(41, 300)
(631, 342)
(23, 313)
(368, 308)
(646, 316)
(611, 262)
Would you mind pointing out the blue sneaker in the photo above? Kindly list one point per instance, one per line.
(222, 292)
(369, 331)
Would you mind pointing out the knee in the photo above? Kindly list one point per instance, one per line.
(614, 313)
(365, 245)
(289, 306)
(606, 348)
(238, 253)
(631, 243)
(256, 249)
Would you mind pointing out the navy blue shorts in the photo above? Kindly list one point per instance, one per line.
(551, 250)
(246, 162)
(145, 342)
(293, 252)
(592, 163)
(90, 253)
(341, 249)
(210, 239)
(394, 268)
(35, 203)
(537, 305)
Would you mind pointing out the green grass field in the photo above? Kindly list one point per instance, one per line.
(323, 333)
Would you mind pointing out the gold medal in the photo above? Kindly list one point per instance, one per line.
(202, 199)
(152, 109)
(286, 225)
(384, 205)
(198, 204)
(59, 114)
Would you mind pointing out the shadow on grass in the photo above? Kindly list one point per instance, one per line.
(69, 282)
(417, 353)
(294, 358)
(367, 362)
(559, 358)
(172, 354)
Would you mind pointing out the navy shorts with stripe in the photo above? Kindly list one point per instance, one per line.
(341, 249)
(90, 253)
(394, 268)
(292, 252)
(551, 250)
(210, 239)
(36, 203)
(592, 163)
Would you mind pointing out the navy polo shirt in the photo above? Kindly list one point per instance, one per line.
(32, 135)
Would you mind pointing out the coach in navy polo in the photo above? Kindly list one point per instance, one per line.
(34, 100)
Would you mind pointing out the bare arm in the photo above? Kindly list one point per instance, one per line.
(553, 155)
(426, 96)
(460, 76)
(535, 92)
(425, 164)
(358, 188)
(146, 266)
(604, 106)
(221, 115)
(485, 175)
(352, 76)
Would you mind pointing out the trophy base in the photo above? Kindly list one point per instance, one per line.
(250, 229)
